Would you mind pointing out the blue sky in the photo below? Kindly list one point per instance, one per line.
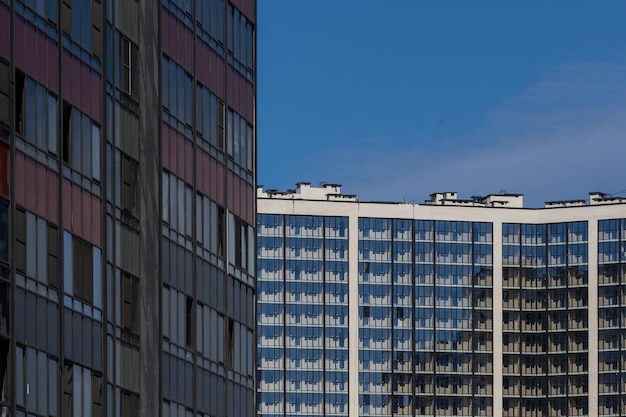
(396, 100)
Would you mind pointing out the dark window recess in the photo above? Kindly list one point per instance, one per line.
(5, 315)
(366, 311)
(189, 323)
(130, 297)
(221, 231)
(53, 255)
(67, 133)
(68, 389)
(66, 16)
(130, 404)
(129, 185)
(241, 244)
(83, 270)
(19, 102)
(230, 339)
(220, 124)
(20, 240)
(96, 29)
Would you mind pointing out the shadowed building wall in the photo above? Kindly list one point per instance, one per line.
(127, 207)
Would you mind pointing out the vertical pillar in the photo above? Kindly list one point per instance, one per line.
(149, 59)
(497, 318)
(592, 317)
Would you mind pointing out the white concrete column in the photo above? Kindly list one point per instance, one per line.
(497, 319)
(592, 315)
(353, 313)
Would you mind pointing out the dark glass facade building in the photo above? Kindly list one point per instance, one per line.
(127, 207)
(450, 308)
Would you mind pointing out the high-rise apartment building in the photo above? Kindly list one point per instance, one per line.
(127, 207)
(473, 307)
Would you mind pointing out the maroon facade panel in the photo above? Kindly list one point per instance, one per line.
(81, 213)
(240, 95)
(210, 177)
(247, 7)
(18, 36)
(36, 54)
(81, 86)
(177, 153)
(177, 41)
(36, 188)
(240, 197)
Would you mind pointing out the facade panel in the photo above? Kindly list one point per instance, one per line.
(455, 307)
(127, 281)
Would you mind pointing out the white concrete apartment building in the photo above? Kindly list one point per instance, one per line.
(476, 307)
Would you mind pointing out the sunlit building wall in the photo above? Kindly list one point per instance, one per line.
(475, 307)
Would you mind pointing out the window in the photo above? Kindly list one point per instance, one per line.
(241, 239)
(209, 117)
(82, 266)
(39, 239)
(81, 142)
(35, 113)
(178, 100)
(210, 17)
(82, 391)
(178, 214)
(240, 43)
(130, 300)
(36, 381)
(128, 66)
(130, 169)
(240, 140)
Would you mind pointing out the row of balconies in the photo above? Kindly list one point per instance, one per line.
(532, 326)
(515, 281)
(516, 390)
(550, 412)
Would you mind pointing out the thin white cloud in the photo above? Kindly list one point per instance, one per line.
(559, 139)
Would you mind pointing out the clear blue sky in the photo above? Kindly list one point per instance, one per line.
(399, 99)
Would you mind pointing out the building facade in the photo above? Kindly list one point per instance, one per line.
(473, 307)
(127, 207)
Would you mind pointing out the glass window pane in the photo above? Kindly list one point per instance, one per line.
(97, 277)
(52, 124)
(31, 379)
(188, 99)
(42, 383)
(164, 82)
(42, 113)
(85, 19)
(42, 250)
(19, 370)
(29, 110)
(95, 152)
(52, 387)
(67, 263)
(76, 138)
(86, 145)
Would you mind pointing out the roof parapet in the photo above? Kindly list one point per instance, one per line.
(565, 203)
(304, 191)
(491, 200)
(597, 197)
